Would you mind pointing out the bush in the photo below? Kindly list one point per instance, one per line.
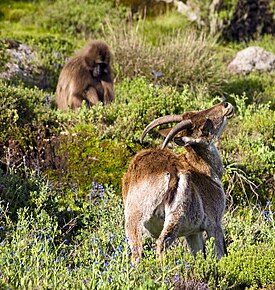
(187, 59)
(249, 152)
(85, 158)
(22, 107)
(86, 18)
(136, 104)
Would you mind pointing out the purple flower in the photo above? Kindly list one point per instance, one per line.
(156, 74)
(48, 100)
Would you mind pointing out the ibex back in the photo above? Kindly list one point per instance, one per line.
(168, 195)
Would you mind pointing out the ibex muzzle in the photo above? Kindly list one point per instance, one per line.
(168, 195)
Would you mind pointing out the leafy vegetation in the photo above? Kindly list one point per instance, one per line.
(61, 212)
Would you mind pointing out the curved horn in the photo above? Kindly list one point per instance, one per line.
(186, 124)
(160, 121)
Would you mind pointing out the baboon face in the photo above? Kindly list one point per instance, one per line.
(100, 69)
(98, 58)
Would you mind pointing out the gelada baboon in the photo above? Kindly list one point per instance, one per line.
(86, 77)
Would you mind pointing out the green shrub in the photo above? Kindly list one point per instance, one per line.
(259, 88)
(86, 18)
(249, 152)
(22, 107)
(3, 55)
(87, 159)
(137, 103)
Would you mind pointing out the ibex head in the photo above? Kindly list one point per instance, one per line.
(201, 127)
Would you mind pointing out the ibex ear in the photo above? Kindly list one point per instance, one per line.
(208, 128)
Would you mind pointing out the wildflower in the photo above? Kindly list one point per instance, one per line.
(111, 238)
(186, 265)
(156, 74)
(110, 278)
(177, 278)
(106, 264)
(48, 99)
(179, 262)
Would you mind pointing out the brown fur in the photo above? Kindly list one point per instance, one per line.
(169, 195)
(86, 77)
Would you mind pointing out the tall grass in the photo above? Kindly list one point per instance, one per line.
(188, 58)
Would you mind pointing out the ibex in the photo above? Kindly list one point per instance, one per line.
(168, 195)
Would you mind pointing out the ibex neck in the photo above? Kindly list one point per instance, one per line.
(206, 159)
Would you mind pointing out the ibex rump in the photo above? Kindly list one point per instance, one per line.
(168, 195)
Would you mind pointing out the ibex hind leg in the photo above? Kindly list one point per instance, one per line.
(220, 247)
(195, 242)
(174, 213)
(168, 235)
(134, 235)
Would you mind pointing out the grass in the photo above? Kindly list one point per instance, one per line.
(37, 253)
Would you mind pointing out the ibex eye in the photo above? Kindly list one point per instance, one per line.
(216, 101)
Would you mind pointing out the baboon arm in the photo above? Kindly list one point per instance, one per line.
(108, 92)
(91, 96)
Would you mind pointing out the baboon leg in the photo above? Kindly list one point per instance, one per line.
(133, 230)
(195, 242)
(75, 102)
(217, 233)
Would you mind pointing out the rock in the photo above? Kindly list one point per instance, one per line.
(23, 64)
(253, 59)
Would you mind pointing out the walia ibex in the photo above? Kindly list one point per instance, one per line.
(168, 195)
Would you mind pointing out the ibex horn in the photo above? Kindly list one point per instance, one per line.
(186, 124)
(162, 120)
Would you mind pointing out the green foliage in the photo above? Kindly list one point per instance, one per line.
(250, 141)
(3, 56)
(259, 88)
(89, 159)
(156, 29)
(37, 250)
(86, 17)
(21, 107)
